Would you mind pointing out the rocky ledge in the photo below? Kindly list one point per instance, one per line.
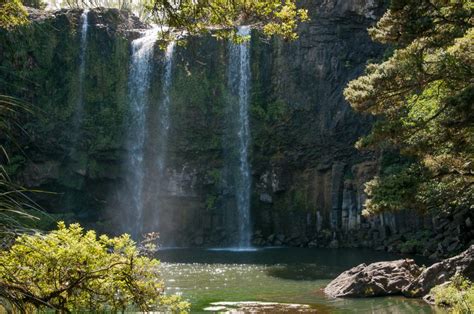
(400, 277)
(377, 279)
(442, 272)
(113, 21)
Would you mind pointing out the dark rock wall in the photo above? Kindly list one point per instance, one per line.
(40, 65)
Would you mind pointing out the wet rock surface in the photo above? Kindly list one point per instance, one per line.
(258, 307)
(441, 272)
(377, 279)
(400, 277)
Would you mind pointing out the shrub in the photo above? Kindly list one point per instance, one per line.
(411, 246)
(69, 269)
(458, 295)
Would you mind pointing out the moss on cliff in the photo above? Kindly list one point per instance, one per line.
(40, 65)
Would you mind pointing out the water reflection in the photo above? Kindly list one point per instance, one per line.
(302, 271)
(295, 276)
(340, 259)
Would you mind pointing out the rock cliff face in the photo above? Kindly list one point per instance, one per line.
(308, 179)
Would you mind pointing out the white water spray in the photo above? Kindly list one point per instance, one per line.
(239, 83)
(81, 73)
(138, 90)
(164, 110)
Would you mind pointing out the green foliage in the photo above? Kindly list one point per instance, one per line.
(369, 291)
(410, 247)
(215, 175)
(12, 13)
(211, 201)
(300, 199)
(457, 295)
(14, 164)
(423, 94)
(269, 113)
(274, 17)
(39, 65)
(269, 116)
(72, 270)
(394, 189)
(16, 208)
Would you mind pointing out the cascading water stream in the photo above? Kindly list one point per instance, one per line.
(82, 55)
(159, 126)
(164, 111)
(81, 73)
(239, 84)
(138, 90)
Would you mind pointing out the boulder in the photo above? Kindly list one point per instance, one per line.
(377, 279)
(441, 272)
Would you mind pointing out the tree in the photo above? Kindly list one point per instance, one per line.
(192, 17)
(72, 270)
(274, 17)
(423, 96)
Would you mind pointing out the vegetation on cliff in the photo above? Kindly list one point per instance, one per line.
(191, 17)
(423, 95)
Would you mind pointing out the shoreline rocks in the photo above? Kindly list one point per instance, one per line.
(400, 277)
(442, 272)
(377, 279)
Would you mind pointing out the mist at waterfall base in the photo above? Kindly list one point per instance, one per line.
(147, 136)
(138, 89)
(144, 200)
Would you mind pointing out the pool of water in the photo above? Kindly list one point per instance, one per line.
(283, 275)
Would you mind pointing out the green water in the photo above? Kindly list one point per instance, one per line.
(283, 275)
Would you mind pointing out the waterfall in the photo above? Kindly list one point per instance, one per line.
(138, 89)
(164, 110)
(82, 55)
(81, 73)
(239, 85)
(157, 152)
